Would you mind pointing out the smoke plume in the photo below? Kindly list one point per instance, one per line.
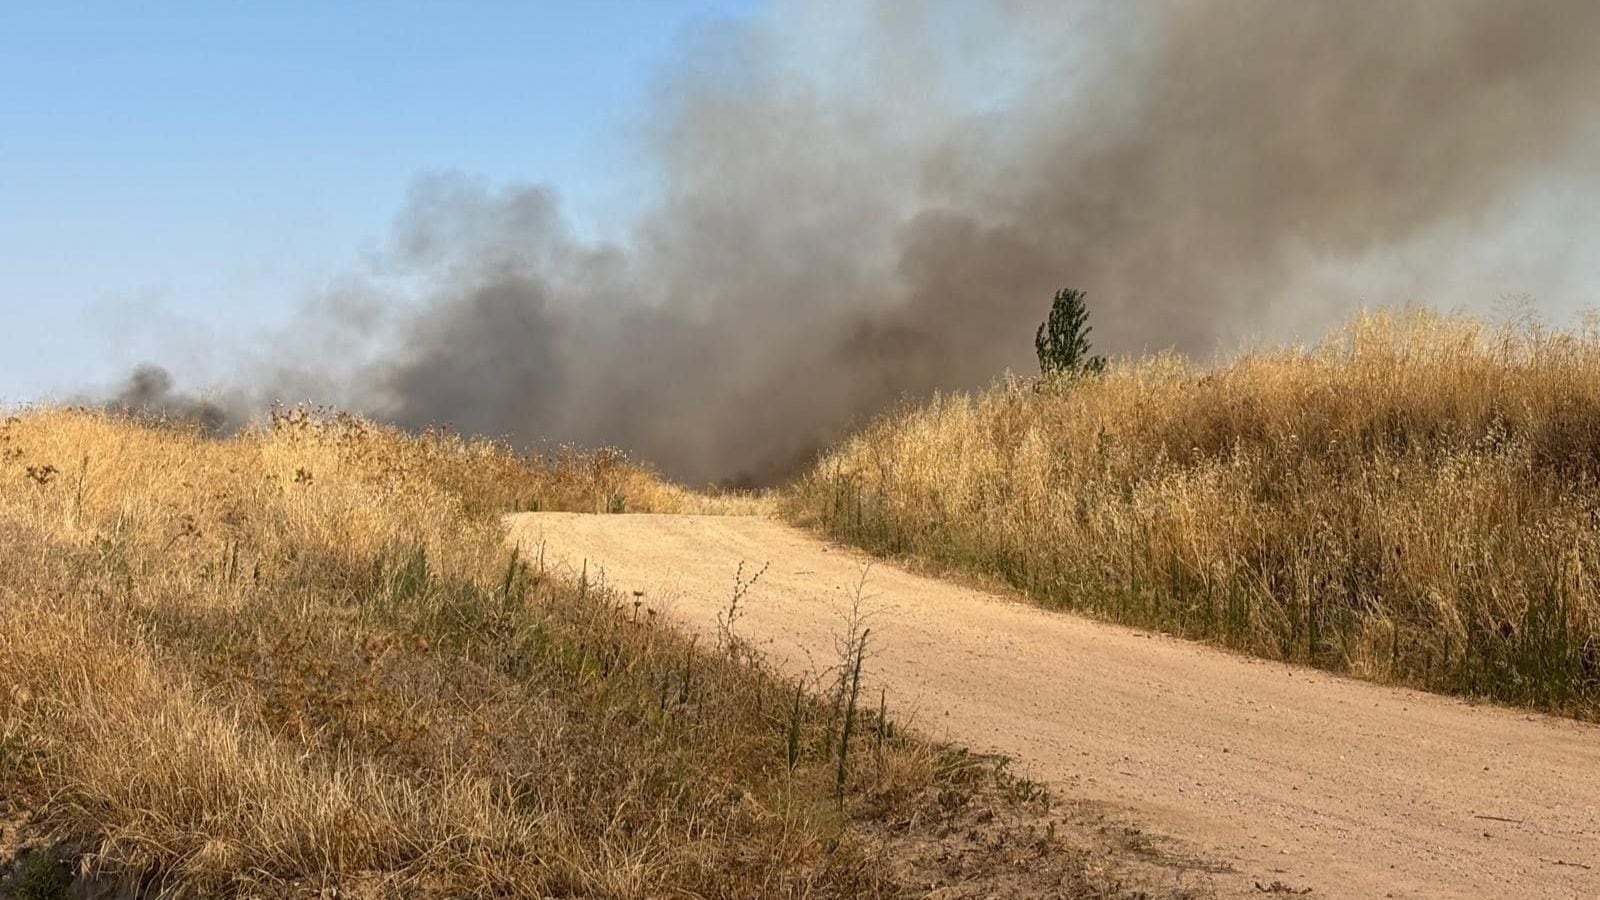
(149, 391)
(841, 214)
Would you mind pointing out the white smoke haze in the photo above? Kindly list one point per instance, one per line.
(847, 208)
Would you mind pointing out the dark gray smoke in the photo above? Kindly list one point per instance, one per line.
(149, 391)
(843, 214)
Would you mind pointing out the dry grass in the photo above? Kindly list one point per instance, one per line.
(301, 659)
(1414, 500)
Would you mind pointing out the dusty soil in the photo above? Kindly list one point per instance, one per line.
(1267, 778)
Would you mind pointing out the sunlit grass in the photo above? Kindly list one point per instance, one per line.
(303, 658)
(1412, 500)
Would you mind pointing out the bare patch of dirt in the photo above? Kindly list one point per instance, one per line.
(993, 834)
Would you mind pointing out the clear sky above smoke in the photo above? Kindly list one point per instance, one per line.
(192, 170)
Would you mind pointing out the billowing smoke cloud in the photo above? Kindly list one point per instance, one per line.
(149, 391)
(842, 214)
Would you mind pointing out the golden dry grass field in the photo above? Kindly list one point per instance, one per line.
(301, 661)
(1414, 500)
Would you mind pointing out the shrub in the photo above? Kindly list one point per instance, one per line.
(1062, 340)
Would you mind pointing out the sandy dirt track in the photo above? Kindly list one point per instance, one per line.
(1285, 774)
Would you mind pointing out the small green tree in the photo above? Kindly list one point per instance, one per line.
(1063, 339)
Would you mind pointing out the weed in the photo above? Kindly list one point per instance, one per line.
(848, 700)
(791, 742)
(726, 639)
(42, 475)
(40, 875)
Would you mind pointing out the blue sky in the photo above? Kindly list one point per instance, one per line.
(197, 169)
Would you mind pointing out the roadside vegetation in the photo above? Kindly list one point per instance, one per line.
(1414, 500)
(302, 661)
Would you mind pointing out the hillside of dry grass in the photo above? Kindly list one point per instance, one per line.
(302, 660)
(1414, 500)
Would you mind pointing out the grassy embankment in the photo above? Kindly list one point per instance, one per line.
(1415, 500)
(303, 659)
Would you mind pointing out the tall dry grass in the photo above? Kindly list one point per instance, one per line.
(1413, 500)
(301, 659)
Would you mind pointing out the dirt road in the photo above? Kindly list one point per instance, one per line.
(1286, 774)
